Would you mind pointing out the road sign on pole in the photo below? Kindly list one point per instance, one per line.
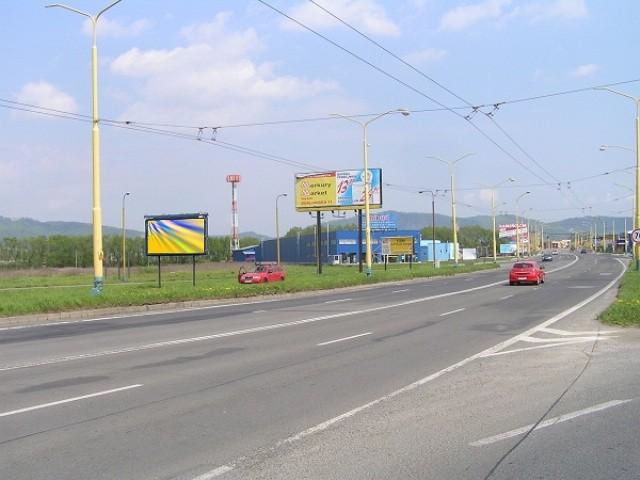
(635, 235)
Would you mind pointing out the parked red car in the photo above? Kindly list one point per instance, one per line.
(526, 272)
(263, 273)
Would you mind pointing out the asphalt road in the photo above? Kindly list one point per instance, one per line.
(440, 378)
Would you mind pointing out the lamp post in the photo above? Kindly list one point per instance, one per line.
(518, 225)
(124, 238)
(365, 151)
(493, 213)
(626, 235)
(98, 254)
(278, 228)
(433, 222)
(633, 198)
(636, 100)
(451, 164)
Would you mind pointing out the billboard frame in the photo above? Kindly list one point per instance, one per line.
(179, 216)
(335, 173)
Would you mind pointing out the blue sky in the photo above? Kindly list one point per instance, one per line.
(224, 63)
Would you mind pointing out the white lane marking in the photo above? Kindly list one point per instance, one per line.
(580, 287)
(339, 301)
(557, 340)
(210, 307)
(548, 423)
(556, 331)
(506, 297)
(259, 311)
(216, 472)
(412, 386)
(606, 274)
(452, 312)
(343, 339)
(400, 291)
(68, 400)
(548, 345)
(50, 361)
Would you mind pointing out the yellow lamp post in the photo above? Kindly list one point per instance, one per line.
(493, 213)
(98, 254)
(278, 228)
(454, 222)
(518, 225)
(365, 150)
(636, 100)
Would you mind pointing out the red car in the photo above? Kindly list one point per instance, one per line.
(526, 272)
(263, 273)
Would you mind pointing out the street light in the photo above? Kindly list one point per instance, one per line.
(607, 147)
(636, 222)
(626, 235)
(433, 221)
(493, 213)
(453, 200)
(98, 254)
(278, 228)
(365, 149)
(124, 238)
(518, 225)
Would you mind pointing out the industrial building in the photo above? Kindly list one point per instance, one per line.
(340, 247)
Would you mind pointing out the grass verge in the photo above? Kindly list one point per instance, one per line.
(625, 311)
(60, 294)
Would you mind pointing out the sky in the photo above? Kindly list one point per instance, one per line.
(186, 87)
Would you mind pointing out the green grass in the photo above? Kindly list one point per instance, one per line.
(625, 311)
(72, 292)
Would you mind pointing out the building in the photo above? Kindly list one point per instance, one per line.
(339, 247)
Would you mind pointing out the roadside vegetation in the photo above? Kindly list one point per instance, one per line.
(625, 311)
(22, 294)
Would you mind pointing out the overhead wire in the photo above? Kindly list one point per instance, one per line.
(431, 79)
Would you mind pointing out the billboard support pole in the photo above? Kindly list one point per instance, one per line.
(159, 273)
(386, 259)
(360, 240)
(318, 242)
(194, 270)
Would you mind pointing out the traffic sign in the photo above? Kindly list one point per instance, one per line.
(635, 235)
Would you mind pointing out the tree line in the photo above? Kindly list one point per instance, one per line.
(77, 251)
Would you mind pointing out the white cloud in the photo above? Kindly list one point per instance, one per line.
(44, 94)
(211, 78)
(586, 70)
(366, 15)
(467, 15)
(464, 16)
(425, 56)
(113, 28)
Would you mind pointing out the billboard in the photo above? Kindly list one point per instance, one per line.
(397, 246)
(337, 190)
(507, 249)
(184, 234)
(509, 231)
(385, 222)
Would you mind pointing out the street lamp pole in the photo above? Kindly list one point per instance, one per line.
(98, 254)
(453, 199)
(433, 222)
(518, 225)
(493, 214)
(124, 238)
(278, 228)
(365, 149)
(636, 100)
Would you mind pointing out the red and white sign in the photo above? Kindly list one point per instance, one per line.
(635, 235)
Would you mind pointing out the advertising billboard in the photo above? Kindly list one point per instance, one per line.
(397, 246)
(385, 222)
(184, 234)
(337, 190)
(509, 231)
(507, 248)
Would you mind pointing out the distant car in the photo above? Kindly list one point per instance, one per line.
(263, 273)
(547, 258)
(584, 250)
(526, 272)
(555, 252)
